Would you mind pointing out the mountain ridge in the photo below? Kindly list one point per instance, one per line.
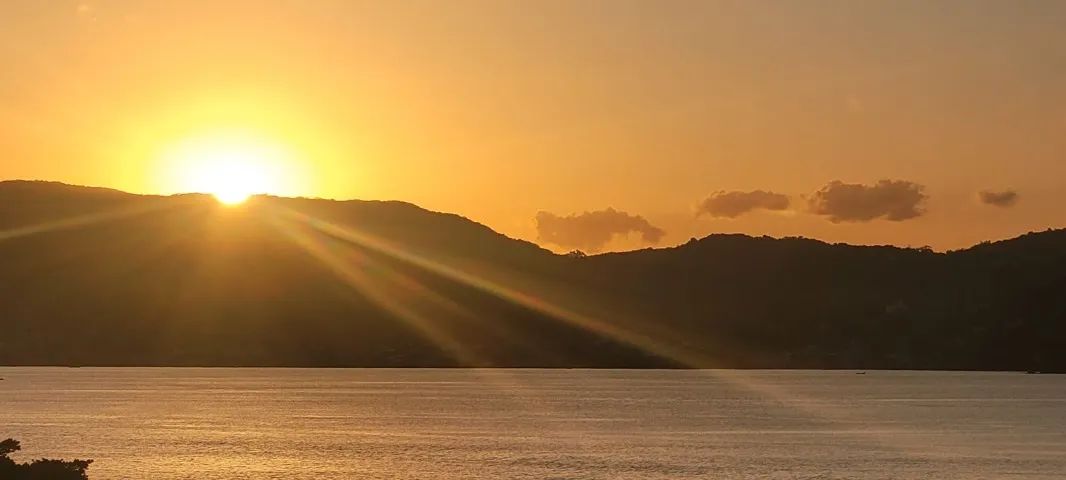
(108, 278)
(73, 188)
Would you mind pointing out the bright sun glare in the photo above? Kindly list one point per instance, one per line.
(233, 178)
(229, 166)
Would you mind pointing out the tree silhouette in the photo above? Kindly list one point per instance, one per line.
(42, 469)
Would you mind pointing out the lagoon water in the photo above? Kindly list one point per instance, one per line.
(164, 424)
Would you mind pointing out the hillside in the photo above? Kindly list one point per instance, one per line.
(99, 277)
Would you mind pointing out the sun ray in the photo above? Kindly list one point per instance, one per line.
(331, 252)
(657, 346)
(321, 249)
(525, 299)
(78, 221)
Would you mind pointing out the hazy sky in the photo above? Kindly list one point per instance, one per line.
(683, 118)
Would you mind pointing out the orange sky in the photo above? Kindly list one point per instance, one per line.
(498, 110)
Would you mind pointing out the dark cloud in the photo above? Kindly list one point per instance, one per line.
(1006, 198)
(894, 200)
(591, 231)
(735, 204)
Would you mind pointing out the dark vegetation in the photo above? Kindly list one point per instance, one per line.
(182, 281)
(42, 469)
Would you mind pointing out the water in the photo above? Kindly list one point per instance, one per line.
(162, 424)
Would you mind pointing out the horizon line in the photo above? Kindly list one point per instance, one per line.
(924, 248)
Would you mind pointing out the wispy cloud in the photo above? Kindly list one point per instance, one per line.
(591, 231)
(734, 204)
(894, 200)
(1004, 198)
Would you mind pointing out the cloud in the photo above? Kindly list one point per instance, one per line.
(591, 231)
(735, 204)
(894, 200)
(1006, 198)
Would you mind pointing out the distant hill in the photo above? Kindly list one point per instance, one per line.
(99, 277)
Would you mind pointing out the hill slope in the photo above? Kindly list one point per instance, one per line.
(99, 277)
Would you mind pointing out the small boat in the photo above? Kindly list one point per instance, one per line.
(860, 373)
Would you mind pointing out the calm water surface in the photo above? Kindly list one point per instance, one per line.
(162, 424)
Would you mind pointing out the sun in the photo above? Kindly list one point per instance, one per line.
(231, 167)
(232, 177)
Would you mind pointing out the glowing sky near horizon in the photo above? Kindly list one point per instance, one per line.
(684, 117)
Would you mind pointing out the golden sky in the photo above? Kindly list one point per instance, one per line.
(499, 110)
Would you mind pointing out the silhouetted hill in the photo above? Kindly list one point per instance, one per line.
(99, 277)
